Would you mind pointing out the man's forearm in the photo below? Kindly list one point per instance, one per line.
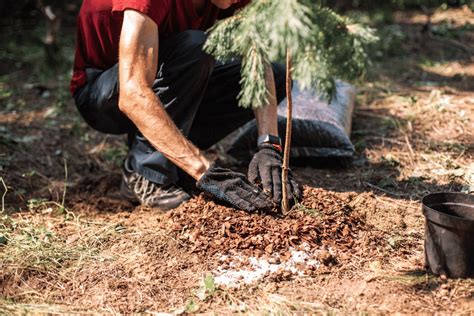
(148, 114)
(267, 115)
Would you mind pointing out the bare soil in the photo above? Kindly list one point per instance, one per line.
(69, 243)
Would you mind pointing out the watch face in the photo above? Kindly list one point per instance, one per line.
(269, 139)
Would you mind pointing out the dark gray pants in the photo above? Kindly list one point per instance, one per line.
(199, 94)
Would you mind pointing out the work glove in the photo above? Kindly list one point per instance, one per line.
(265, 169)
(234, 188)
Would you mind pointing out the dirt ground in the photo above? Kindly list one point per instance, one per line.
(353, 244)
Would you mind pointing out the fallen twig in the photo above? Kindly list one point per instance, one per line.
(410, 149)
(4, 194)
(382, 190)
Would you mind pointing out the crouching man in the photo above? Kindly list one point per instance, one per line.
(140, 69)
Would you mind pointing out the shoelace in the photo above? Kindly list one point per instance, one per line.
(147, 191)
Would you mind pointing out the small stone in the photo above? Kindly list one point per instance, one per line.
(443, 292)
(271, 287)
(274, 260)
(286, 274)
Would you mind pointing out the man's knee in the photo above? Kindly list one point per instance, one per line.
(192, 42)
(193, 38)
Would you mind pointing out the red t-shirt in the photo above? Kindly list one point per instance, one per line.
(100, 21)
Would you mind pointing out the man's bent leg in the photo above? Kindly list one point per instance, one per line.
(97, 102)
(219, 114)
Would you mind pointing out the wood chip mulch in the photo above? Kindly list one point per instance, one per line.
(324, 218)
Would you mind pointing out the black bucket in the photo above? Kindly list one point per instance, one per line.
(449, 234)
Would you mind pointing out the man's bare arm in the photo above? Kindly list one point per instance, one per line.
(138, 63)
(267, 115)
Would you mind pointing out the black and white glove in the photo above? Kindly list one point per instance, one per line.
(265, 169)
(234, 188)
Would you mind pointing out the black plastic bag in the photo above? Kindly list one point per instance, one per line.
(320, 130)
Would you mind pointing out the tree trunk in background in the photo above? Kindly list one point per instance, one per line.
(50, 40)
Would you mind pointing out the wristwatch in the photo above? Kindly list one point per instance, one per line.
(270, 139)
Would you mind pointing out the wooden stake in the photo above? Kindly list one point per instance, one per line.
(285, 204)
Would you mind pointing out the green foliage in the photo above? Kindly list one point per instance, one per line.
(308, 211)
(191, 307)
(5, 92)
(207, 288)
(428, 3)
(403, 4)
(324, 46)
(115, 155)
(390, 43)
(448, 29)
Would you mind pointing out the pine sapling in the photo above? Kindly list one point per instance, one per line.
(285, 205)
(318, 45)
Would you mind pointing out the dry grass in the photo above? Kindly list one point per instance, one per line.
(47, 246)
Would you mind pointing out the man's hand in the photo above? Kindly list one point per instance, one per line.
(265, 169)
(233, 188)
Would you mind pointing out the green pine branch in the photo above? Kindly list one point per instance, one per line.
(324, 45)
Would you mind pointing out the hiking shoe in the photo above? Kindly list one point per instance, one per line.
(136, 187)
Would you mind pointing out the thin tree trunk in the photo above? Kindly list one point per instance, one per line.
(285, 204)
(53, 26)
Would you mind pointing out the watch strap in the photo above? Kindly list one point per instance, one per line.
(276, 147)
